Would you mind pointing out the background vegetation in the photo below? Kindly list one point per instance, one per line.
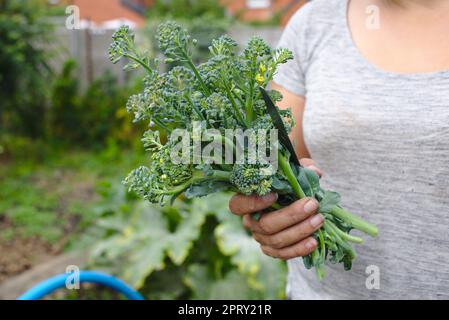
(64, 151)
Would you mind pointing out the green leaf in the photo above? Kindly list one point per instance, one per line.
(234, 241)
(264, 274)
(232, 287)
(281, 186)
(166, 284)
(329, 201)
(146, 240)
(279, 125)
(309, 181)
(314, 180)
(186, 232)
(271, 279)
(205, 188)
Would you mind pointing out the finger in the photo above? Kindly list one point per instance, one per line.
(251, 224)
(241, 204)
(274, 222)
(291, 235)
(310, 164)
(300, 249)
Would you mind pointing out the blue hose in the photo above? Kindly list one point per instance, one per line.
(48, 286)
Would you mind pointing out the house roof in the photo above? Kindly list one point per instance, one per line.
(285, 7)
(105, 12)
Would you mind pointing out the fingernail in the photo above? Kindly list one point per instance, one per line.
(271, 197)
(317, 220)
(311, 206)
(311, 244)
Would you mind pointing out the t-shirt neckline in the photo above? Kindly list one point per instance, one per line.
(347, 35)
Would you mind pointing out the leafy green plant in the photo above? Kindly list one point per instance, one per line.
(191, 250)
(65, 113)
(30, 210)
(187, 9)
(206, 20)
(24, 71)
(99, 109)
(23, 148)
(221, 94)
(96, 117)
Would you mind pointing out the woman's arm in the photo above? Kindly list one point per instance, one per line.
(296, 103)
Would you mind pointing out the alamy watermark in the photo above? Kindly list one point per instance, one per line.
(72, 281)
(373, 280)
(372, 22)
(73, 21)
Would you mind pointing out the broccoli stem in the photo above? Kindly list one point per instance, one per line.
(139, 61)
(195, 108)
(238, 98)
(316, 259)
(234, 104)
(344, 235)
(161, 125)
(195, 71)
(197, 75)
(276, 206)
(220, 175)
(199, 176)
(318, 256)
(322, 245)
(249, 106)
(249, 101)
(332, 231)
(354, 221)
(290, 175)
(191, 65)
(228, 143)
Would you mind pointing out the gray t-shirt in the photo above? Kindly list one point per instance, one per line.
(382, 140)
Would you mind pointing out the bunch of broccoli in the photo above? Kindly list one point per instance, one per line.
(221, 94)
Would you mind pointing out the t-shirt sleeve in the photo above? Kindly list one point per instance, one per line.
(291, 75)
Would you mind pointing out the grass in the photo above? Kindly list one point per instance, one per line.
(54, 200)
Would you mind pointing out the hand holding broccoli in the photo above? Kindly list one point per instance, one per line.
(286, 233)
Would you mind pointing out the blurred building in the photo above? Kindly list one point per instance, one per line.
(263, 10)
(109, 14)
(88, 44)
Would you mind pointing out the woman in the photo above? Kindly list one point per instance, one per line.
(372, 102)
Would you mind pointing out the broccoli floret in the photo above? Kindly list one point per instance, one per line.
(151, 141)
(174, 41)
(181, 79)
(257, 47)
(251, 179)
(224, 46)
(219, 110)
(139, 181)
(138, 105)
(282, 55)
(162, 180)
(123, 46)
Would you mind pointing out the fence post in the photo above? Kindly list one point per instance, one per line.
(88, 53)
